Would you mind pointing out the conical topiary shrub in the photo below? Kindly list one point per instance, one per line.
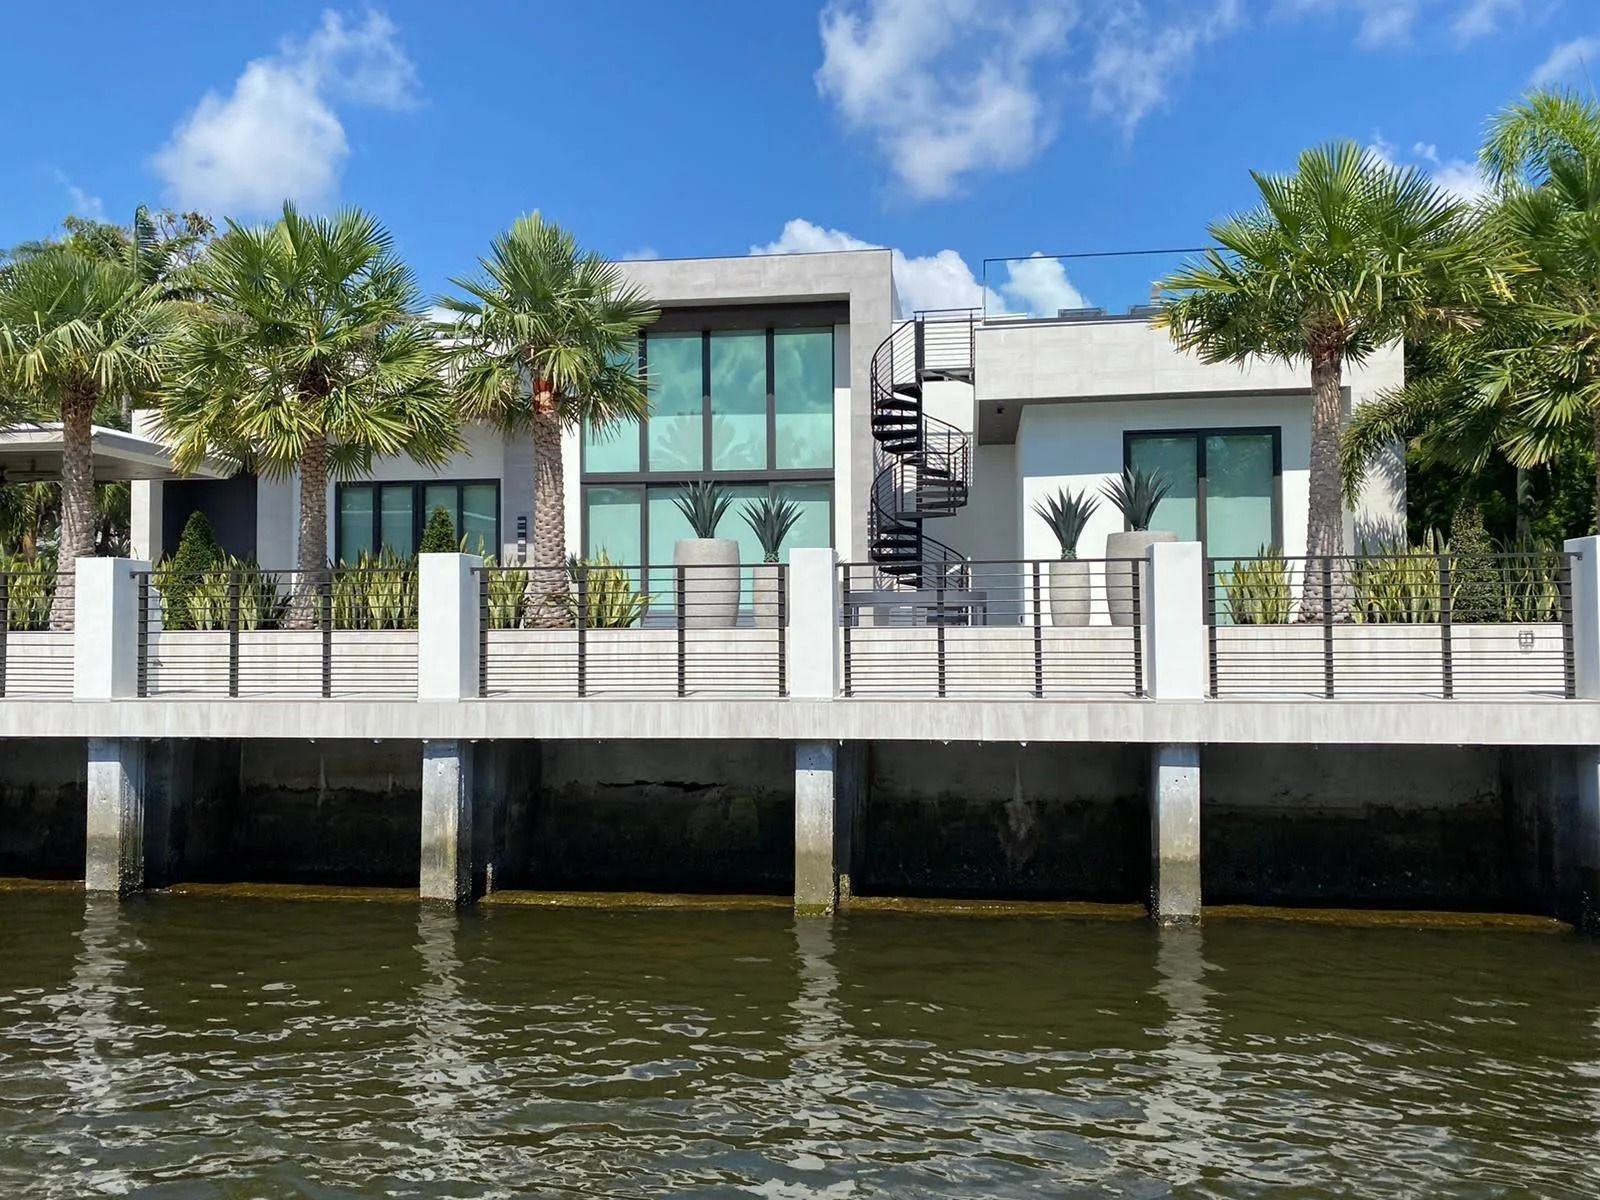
(439, 537)
(1476, 594)
(184, 571)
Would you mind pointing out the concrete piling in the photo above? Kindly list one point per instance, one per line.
(1175, 833)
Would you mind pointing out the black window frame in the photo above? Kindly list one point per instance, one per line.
(644, 473)
(419, 518)
(642, 480)
(1275, 432)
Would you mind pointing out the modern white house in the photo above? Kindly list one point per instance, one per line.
(914, 669)
(761, 373)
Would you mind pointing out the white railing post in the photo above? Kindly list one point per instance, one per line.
(813, 659)
(105, 628)
(1585, 563)
(1174, 622)
(447, 626)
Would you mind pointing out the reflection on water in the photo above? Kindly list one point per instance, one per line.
(227, 1047)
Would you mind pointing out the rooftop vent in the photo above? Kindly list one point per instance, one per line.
(1080, 314)
(1144, 310)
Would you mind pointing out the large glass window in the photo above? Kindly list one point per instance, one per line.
(354, 533)
(676, 428)
(391, 516)
(738, 401)
(1225, 486)
(1176, 461)
(767, 396)
(802, 395)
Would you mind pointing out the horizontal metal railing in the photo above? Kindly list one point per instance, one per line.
(1447, 626)
(621, 631)
(341, 632)
(999, 628)
(35, 660)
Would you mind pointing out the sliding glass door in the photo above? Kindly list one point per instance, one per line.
(1225, 486)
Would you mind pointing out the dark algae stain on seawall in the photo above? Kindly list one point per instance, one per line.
(215, 1045)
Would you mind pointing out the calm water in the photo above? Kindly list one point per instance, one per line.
(186, 1046)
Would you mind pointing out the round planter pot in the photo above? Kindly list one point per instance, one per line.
(1119, 575)
(1069, 592)
(710, 581)
(765, 584)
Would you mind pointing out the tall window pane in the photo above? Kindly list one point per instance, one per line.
(677, 413)
(355, 522)
(814, 529)
(1177, 460)
(478, 503)
(1239, 494)
(395, 524)
(802, 392)
(738, 401)
(667, 525)
(614, 524)
(615, 448)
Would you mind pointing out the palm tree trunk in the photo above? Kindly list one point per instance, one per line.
(77, 500)
(1325, 503)
(549, 576)
(311, 548)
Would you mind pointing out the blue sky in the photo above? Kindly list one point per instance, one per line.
(952, 130)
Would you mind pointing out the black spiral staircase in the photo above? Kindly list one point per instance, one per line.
(922, 466)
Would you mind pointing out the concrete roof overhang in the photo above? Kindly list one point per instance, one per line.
(30, 453)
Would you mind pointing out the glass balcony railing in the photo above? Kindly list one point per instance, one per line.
(1116, 285)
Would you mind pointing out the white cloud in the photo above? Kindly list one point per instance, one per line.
(638, 254)
(277, 136)
(81, 201)
(1039, 285)
(945, 87)
(1458, 177)
(1136, 62)
(1569, 62)
(1480, 18)
(943, 279)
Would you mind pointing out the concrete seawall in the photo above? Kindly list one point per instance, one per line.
(1466, 828)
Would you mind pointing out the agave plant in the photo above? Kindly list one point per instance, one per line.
(1258, 590)
(770, 520)
(1067, 513)
(703, 504)
(29, 586)
(1136, 493)
(609, 600)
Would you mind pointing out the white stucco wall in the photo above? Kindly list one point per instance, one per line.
(1079, 446)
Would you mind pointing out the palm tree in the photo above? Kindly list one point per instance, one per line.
(309, 353)
(1341, 258)
(545, 338)
(80, 334)
(1522, 380)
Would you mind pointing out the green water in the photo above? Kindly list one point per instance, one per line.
(212, 1046)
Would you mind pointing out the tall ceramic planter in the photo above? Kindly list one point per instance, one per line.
(1119, 575)
(766, 584)
(710, 581)
(1069, 592)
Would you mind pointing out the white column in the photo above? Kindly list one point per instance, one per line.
(1175, 832)
(446, 821)
(114, 843)
(816, 865)
(814, 624)
(1586, 614)
(1174, 622)
(105, 640)
(1586, 676)
(447, 626)
(145, 498)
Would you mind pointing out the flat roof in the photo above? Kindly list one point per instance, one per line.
(31, 453)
